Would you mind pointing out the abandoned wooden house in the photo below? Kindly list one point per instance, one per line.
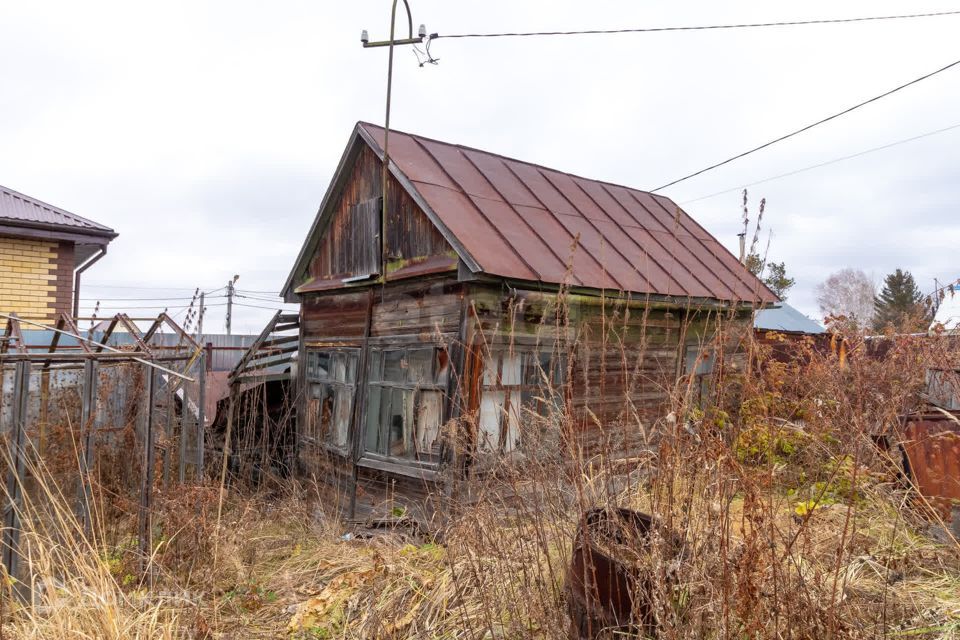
(489, 291)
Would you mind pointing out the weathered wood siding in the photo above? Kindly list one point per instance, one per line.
(624, 356)
(344, 247)
(421, 308)
(411, 238)
(349, 243)
(425, 310)
(333, 316)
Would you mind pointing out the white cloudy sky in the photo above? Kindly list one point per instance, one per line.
(205, 132)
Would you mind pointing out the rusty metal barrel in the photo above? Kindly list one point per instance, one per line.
(607, 592)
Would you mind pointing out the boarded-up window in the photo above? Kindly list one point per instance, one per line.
(364, 245)
(405, 403)
(517, 383)
(699, 363)
(331, 384)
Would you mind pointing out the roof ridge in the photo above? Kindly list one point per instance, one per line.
(512, 159)
(53, 208)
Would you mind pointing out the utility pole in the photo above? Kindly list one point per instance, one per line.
(230, 292)
(410, 39)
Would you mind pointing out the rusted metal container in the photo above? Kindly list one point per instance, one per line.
(607, 594)
(931, 447)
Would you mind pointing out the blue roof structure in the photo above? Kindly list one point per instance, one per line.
(785, 318)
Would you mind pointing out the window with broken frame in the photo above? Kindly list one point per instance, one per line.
(406, 400)
(518, 383)
(331, 376)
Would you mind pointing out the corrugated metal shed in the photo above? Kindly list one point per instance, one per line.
(519, 220)
(21, 210)
(786, 319)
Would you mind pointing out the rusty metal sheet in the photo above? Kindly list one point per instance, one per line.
(517, 220)
(932, 448)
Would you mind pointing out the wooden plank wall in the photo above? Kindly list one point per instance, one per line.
(347, 243)
(427, 310)
(625, 357)
(338, 250)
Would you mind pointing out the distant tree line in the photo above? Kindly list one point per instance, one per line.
(849, 296)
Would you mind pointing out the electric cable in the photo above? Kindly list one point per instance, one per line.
(824, 164)
(754, 25)
(809, 126)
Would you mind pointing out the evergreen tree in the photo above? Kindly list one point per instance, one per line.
(776, 274)
(900, 304)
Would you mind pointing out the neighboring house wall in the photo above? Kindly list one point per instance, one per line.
(36, 277)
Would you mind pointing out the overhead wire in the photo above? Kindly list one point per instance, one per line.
(824, 164)
(809, 126)
(174, 299)
(254, 306)
(746, 25)
(148, 288)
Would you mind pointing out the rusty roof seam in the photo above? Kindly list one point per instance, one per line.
(574, 238)
(482, 214)
(609, 219)
(675, 260)
(462, 147)
(584, 216)
(630, 214)
(683, 220)
(686, 249)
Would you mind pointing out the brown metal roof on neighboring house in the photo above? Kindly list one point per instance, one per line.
(522, 221)
(19, 210)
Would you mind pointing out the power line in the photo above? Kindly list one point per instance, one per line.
(272, 293)
(144, 287)
(824, 164)
(144, 299)
(153, 306)
(254, 306)
(754, 25)
(260, 298)
(810, 126)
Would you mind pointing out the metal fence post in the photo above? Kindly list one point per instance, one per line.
(88, 415)
(146, 476)
(201, 415)
(15, 474)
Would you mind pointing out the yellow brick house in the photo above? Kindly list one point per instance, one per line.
(43, 252)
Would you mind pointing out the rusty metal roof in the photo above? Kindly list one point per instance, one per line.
(527, 222)
(20, 210)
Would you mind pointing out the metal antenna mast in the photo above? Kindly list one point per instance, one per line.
(410, 39)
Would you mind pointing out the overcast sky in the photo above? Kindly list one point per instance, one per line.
(205, 133)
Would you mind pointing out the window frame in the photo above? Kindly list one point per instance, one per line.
(524, 389)
(376, 383)
(337, 390)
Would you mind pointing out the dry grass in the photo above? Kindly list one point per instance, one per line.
(793, 523)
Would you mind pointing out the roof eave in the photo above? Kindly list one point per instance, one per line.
(645, 298)
(56, 231)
